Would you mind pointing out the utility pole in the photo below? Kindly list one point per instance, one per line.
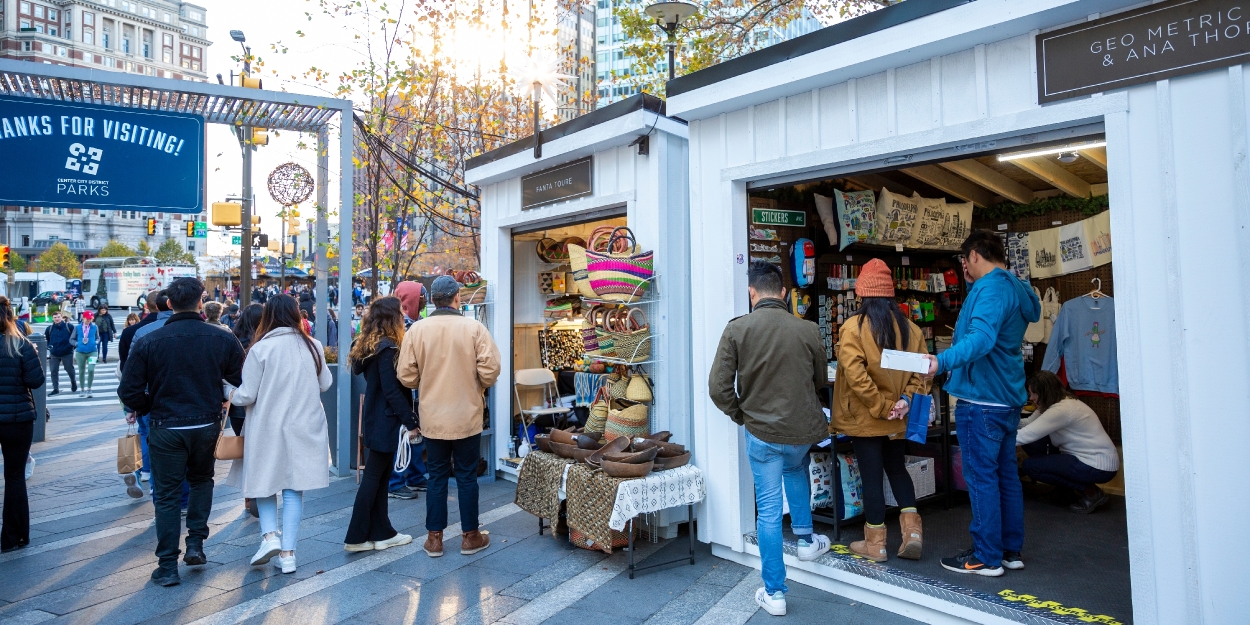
(245, 249)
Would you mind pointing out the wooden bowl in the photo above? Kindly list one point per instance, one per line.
(660, 436)
(544, 443)
(664, 464)
(563, 450)
(563, 436)
(588, 442)
(622, 469)
(581, 455)
(667, 450)
(634, 457)
(617, 446)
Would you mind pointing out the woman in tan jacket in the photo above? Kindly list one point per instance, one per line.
(870, 404)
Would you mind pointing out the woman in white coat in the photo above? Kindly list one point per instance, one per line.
(286, 444)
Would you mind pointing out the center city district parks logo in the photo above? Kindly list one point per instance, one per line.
(52, 153)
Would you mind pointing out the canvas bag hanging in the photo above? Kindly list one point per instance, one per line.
(1050, 312)
(129, 453)
(1036, 331)
(1074, 252)
(1098, 235)
(1044, 254)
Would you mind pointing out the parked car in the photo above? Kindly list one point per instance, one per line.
(49, 297)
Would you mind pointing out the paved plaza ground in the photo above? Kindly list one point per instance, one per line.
(92, 548)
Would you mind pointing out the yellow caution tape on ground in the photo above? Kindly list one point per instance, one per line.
(1057, 608)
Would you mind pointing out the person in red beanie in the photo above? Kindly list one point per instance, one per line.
(412, 481)
(872, 406)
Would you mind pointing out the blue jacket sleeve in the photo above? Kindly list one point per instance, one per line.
(981, 336)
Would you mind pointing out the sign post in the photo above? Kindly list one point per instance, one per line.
(79, 155)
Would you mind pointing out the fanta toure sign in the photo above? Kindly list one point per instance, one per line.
(100, 157)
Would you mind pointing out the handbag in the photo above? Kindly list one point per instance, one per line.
(639, 389)
(228, 447)
(633, 343)
(630, 421)
(129, 453)
(597, 421)
(617, 384)
(620, 276)
(590, 339)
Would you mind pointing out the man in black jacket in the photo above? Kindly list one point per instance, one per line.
(181, 394)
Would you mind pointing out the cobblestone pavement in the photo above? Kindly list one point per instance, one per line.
(92, 547)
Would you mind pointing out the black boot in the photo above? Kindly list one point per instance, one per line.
(166, 576)
(194, 555)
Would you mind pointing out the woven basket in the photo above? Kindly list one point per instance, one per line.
(617, 385)
(620, 276)
(619, 539)
(631, 340)
(581, 278)
(630, 422)
(590, 338)
(597, 421)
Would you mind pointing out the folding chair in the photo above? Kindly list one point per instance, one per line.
(545, 379)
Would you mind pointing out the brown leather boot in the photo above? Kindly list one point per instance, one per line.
(433, 544)
(473, 542)
(913, 536)
(873, 544)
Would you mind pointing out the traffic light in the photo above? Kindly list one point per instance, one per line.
(190, 229)
(259, 137)
(151, 226)
(4, 256)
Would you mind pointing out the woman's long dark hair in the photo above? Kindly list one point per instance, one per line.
(282, 311)
(246, 322)
(882, 314)
(385, 319)
(1049, 389)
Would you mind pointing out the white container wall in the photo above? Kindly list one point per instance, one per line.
(964, 80)
(650, 190)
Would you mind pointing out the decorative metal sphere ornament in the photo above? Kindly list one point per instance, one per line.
(290, 184)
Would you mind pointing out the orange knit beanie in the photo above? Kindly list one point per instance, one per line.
(875, 280)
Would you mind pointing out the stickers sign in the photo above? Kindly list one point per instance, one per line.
(774, 217)
(77, 155)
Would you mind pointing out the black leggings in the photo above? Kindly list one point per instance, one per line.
(878, 456)
(15, 440)
(370, 518)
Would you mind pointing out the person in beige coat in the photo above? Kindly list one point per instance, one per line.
(871, 404)
(451, 361)
(286, 443)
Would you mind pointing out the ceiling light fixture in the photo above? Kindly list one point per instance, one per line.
(1055, 150)
(1068, 157)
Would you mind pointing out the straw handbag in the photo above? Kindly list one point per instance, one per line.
(632, 336)
(590, 338)
(639, 389)
(620, 276)
(630, 421)
(617, 384)
(598, 419)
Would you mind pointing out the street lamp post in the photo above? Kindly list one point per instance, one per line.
(245, 240)
(668, 16)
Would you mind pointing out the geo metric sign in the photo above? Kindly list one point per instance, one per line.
(77, 155)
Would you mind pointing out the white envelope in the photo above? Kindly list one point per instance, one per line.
(904, 361)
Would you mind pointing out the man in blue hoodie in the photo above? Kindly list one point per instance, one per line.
(987, 377)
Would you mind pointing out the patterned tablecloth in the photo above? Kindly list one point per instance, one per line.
(660, 490)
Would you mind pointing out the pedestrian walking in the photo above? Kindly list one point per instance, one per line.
(451, 360)
(988, 334)
(128, 334)
(387, 406)
(131, 319)
(245, 331)
(285, 441)
(19, 373)
(107, 329)
(873, 406)
(769, 367)
(174, 377)
(87, 337)
(212, 314)
(60, 338)
(332, 329)
(406, 484)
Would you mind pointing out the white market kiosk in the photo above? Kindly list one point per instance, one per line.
(620, 180)
(932, 81)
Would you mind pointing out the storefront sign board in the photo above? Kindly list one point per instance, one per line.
(774, 217)
(79, 155)
(1140, 46)
(564, 182)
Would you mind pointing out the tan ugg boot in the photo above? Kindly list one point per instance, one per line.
(873, 545)
(913, 536)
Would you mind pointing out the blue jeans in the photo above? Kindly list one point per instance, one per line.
(461, 457)
(987, 438)
(775, 467)
(414, 474)
(292, 512)
(1047, 465)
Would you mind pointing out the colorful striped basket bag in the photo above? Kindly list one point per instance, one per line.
(617, 274)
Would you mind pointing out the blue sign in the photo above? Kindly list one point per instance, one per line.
(80, 155)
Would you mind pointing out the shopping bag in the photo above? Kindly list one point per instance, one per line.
(129, 454)
(918, 417)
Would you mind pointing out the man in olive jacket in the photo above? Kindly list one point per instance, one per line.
(778, 363)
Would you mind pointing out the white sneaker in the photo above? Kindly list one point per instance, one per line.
(365, 546)
(810, 551)
(132, 485)
(269, 547)
(393, 541)
(30, 466)
(144, 475)
(774, 605)
(88, 392)
(286, 565)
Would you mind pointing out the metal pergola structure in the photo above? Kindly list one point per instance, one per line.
(233, 106)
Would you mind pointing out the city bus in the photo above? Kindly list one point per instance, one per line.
(125, 281)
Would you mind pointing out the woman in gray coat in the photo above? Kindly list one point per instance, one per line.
(286, 444)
